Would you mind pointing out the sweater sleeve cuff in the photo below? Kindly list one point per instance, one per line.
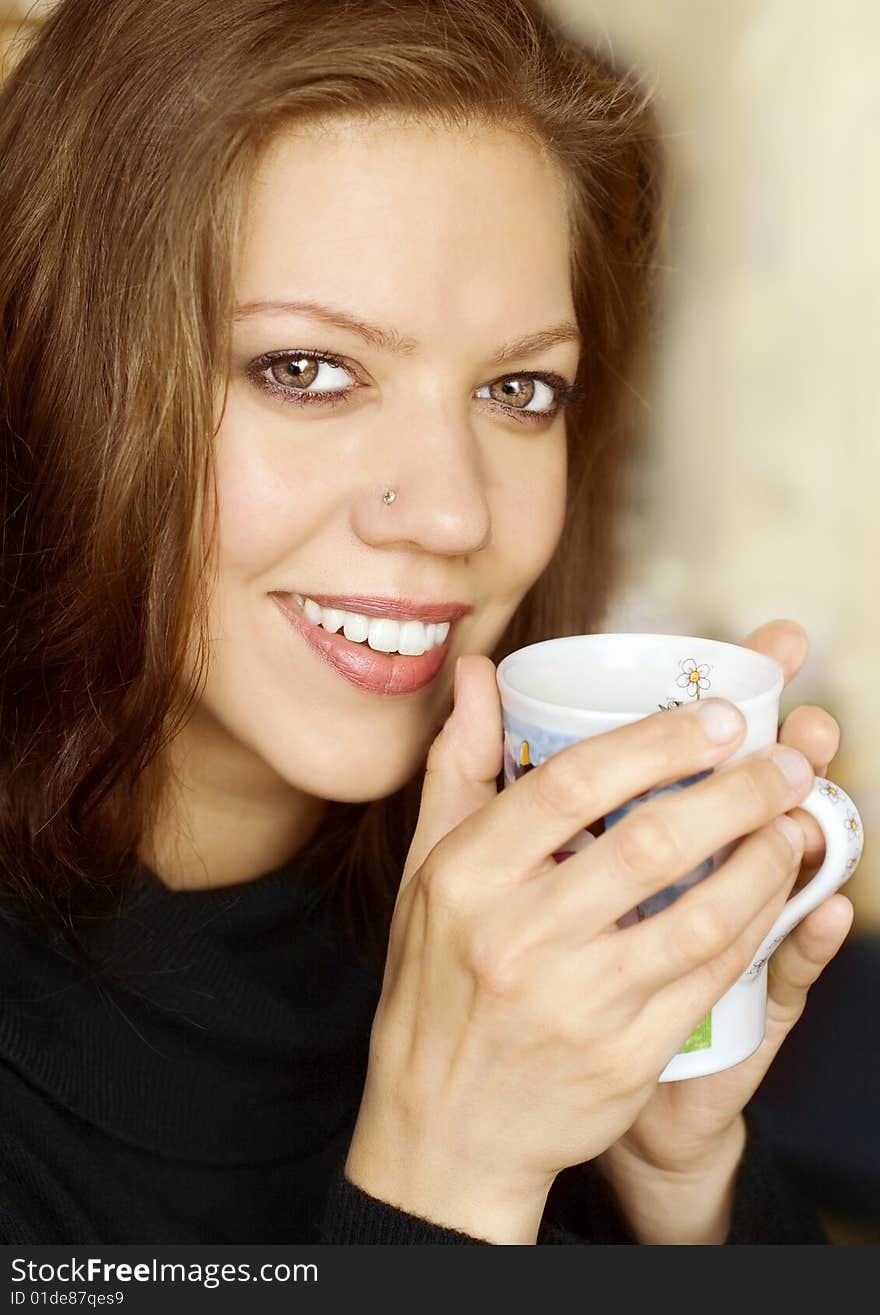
(354, 1218)
(582, 1208)
(767, 1208)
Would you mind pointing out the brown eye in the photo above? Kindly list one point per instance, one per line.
(292, 376)
(298, 371)
(513, 392)
(533, 396)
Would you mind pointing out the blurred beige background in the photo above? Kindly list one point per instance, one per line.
(753, 492)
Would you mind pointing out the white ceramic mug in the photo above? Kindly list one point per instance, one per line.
(560, 691)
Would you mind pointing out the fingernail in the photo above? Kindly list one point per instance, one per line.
(720, 720)
(790, 829)
(792, 764)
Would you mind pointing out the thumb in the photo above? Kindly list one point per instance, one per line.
(463, 761)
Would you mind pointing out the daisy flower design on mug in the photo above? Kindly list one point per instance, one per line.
(831, 791)
(693, 677)
(852, 827)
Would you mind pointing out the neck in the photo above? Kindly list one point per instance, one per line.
(220, 825)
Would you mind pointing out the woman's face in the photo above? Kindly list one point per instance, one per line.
(454, 246)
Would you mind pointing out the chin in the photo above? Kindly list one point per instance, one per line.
(356, 779)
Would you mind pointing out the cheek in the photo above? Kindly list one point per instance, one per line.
(263, 512)
(529, 511)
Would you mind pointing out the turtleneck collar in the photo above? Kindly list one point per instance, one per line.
(240, 1007)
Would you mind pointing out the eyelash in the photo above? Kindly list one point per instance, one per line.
(566, 393)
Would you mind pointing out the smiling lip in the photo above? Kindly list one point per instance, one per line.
(364, 667)
(398, 609)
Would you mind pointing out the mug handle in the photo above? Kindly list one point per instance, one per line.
(841, 825)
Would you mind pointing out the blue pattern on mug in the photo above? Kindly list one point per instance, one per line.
(527, 746)
(663, 898)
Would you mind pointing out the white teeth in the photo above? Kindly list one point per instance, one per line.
(383, 634)
(356, 627)
(332, 619)
(413, 640)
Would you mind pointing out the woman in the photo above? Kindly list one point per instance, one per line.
(319, 328)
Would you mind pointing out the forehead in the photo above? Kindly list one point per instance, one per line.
(405, 216)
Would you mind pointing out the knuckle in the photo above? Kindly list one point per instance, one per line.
(730, 963)
(702, 932)
(434, 760)
(437, 761)
(442, 883)
(760, 783)
(678, 738)
(755, 785)
(782, 854)
(647, 845)
(494, 969)
(562, 788)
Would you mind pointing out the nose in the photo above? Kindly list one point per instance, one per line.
(441, 504)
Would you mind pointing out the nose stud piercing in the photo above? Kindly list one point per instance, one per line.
(389, 497)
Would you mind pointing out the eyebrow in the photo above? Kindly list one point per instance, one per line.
(389, 340)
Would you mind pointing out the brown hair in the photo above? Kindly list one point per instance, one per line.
(128, 136)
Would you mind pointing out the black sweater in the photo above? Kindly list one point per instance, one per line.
(212, 1095)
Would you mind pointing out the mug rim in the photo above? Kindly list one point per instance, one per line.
(536, 707)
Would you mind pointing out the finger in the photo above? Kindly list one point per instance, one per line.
(668, 838)
(814, 842)
(783, 640)
(801, 958)
(704, 941)
(464, 760)
(535, 815)
(813, 732)
(810, 947)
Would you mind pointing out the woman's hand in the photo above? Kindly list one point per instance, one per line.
(519, 1030)
(673, 1171)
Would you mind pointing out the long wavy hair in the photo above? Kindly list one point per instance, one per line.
(129, 133)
